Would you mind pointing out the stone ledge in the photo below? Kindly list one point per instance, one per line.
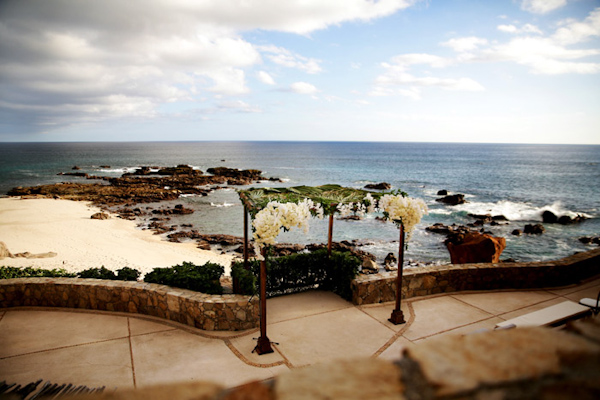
(424, 281)
(199, 310)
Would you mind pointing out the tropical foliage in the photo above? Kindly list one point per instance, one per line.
(300, 272)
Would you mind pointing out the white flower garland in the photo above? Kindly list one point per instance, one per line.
(268, 222)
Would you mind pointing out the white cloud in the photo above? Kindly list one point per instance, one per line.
(238, 106)
(286, 58)
(78, 61)
(397, 80)
(265, 78)
(542, 6)
(303, 88)
(465, 43)
(527, 28)
(548, 55)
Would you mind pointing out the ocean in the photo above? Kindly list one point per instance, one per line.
(518, 181)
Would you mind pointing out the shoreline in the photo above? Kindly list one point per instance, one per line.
(64, 227)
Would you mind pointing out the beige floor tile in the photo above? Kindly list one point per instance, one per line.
(27, 331)
(590, 292)
(246, 344)
(575, 288)
(177, 356)
(503, 302)
(441, 314)
(303, 304)
(485, 325)
(347, 333)
(382, 313)
(94, 365)
(528, 309)
(138, 326)
(394, 352)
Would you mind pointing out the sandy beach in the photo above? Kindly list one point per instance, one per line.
(64, 227)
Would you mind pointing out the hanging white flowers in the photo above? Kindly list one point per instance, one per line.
(270, 220)
(405, 209)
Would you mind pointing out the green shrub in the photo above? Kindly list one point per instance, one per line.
(30, 272)
(201, 278)
(97, 273)
(128, 274)
(300, 272)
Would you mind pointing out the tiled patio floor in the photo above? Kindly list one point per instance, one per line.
(120, 350)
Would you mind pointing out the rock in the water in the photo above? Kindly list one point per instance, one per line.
(516, 232)
(477, 248)
(378, 186)
(549, 217)
(370, 265)
(453, 199)
(100, 215)
(536, 229)
(442, 192)
(390, 259)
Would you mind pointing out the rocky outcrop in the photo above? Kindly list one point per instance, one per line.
(100, 215)
(453, 199)
(4, 253)
(476, 248)
(378, 186)
(550, 218)
(534, 229)
(590, 240)
(145, 185)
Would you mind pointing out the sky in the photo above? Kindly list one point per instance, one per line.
(502, 71)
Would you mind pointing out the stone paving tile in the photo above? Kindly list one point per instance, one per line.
(245, 346)
(382, 312)
(100, 364)
(138, 326)
(178, 356)
(505, 301)
(485, 325)
(303, 304)
(441, 314)
(528, 309)
(590, 292)
(575, 288)
(324, 337)
(26, 331)
(394, 352)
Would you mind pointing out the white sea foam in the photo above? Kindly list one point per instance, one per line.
(514, 211)
(225, 204)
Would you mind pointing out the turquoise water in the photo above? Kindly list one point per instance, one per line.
(518, 181)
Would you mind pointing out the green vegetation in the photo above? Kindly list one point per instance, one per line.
(300, 272)
(30, 272)
(201, 278)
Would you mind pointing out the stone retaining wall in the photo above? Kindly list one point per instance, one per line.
(208, 312)
(423, 281)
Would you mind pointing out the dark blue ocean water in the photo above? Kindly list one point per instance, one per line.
(518, 181)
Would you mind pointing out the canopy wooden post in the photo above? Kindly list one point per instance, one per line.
(397, 316)
(330, 236)
(263, 346)
(246, 238)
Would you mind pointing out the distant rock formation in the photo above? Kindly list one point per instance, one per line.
(453, 199)
(378, 186)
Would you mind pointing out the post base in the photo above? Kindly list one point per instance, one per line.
(397, 317)
(263, 346)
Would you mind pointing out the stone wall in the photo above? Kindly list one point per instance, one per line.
(423, 281)
(208, 312)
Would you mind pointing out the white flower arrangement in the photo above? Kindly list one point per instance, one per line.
(268, 222)
(408, 211)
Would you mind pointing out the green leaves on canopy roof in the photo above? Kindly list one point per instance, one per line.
(329, 196)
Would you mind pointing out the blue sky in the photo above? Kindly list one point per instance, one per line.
(503, 71)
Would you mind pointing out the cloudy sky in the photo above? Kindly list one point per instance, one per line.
(516, 71)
